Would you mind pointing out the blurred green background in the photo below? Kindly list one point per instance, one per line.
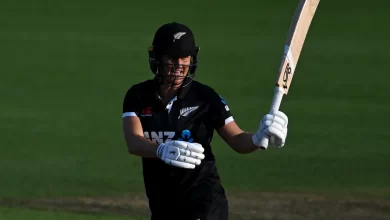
(66, 65)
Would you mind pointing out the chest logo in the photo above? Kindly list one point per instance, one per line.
(187, 110)
(186, 136)
(159, 136)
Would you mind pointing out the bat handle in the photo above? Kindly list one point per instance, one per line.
(276, 101)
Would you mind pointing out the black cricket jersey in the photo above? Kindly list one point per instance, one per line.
(191, 116)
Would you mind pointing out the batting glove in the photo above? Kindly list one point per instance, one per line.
(181, 154)
(273, 126)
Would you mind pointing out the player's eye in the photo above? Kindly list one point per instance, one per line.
(170, 65)
(186, 60)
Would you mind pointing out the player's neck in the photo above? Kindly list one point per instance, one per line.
(167, 92)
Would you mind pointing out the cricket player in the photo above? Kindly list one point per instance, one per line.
(169, 122)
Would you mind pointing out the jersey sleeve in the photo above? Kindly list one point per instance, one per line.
(131, 103)
(220, 112)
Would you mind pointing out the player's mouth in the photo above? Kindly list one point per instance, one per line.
(177, 73)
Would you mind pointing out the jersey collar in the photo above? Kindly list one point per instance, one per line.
(183, 91)
(187, 82)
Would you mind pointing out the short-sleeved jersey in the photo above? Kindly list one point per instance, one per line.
(191, 116)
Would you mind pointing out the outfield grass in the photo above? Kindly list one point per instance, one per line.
(67, 65)
(21, 214)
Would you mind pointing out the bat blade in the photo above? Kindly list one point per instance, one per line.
(298, 30)
(297, 33)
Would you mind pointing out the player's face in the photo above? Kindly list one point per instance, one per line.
(176, 69)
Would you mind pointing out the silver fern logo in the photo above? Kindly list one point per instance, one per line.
(187, 110)
(178, 35)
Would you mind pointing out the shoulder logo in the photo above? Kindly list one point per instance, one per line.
(178, 35)
(222, 100)
(147, 111)
(187, 110)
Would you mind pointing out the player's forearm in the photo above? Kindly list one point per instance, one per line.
(243, 144)
(140, 146)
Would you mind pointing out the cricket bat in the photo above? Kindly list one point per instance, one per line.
(299, 27)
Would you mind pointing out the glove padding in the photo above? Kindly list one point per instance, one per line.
(181, 154)
(273, 126)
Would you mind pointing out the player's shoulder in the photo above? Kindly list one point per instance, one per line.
(203, 89)
(140, 87)
(139, 91)
(207, 93)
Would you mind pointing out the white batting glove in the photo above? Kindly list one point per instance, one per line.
(181, 154)
(273, 126)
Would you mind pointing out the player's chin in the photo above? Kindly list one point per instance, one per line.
(175, 81)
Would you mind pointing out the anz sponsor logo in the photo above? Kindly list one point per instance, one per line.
(186, 136)
(165, 136)
(159, 136)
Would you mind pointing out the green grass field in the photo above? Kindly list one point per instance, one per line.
(66, 66)
(22, 214)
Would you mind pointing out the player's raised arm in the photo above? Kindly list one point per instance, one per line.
(239, 140)
(271, 125)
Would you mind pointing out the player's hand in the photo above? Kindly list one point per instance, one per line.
(181, 154)
(273, 126)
